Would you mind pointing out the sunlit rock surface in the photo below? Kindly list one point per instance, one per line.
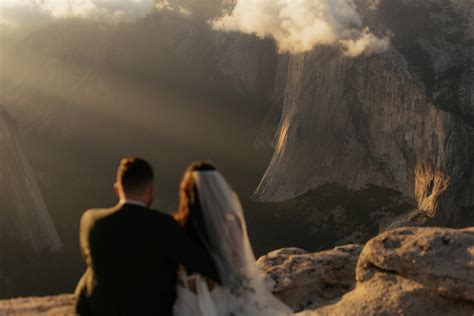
(51, 306)
(406, 271)
(307, 281)
(401, 122)
(437, 258)
(412, 271)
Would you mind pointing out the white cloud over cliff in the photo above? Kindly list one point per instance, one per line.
(300, 25)
(365, 44)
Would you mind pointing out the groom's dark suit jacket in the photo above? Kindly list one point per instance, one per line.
(132, 255)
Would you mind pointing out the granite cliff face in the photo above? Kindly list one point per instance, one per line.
(27, 231)
(400, 122)
(24, 213)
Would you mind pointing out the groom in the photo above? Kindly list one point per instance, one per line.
(132, 253)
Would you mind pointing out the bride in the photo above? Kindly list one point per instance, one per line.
(211, 214)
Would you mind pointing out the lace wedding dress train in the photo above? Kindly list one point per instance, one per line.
(198, 300)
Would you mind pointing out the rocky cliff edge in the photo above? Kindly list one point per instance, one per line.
(406, 271)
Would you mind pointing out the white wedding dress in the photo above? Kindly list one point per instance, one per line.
(244, 290)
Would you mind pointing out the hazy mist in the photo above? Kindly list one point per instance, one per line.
(87, 88)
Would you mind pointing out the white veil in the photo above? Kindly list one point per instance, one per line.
(228, 242)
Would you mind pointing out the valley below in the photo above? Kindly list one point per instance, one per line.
(324, 150)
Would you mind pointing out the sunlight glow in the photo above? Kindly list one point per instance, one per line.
(17, 12)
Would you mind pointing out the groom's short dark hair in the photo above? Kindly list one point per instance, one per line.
(134, 175)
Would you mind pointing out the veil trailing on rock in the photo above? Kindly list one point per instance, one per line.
(224, 224)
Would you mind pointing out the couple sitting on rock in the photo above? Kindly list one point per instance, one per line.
(197, 262)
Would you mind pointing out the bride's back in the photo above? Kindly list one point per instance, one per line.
(211, 214)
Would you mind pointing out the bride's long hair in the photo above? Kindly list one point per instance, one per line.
(189, 214)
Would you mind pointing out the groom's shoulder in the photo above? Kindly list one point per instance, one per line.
(92, 215)
(98, 212)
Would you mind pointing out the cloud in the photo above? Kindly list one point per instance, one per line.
(366, 44)
(76, 8)
(101, 10)
(164, 5)
(15, 14)
(20, 13)
(300, 25)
